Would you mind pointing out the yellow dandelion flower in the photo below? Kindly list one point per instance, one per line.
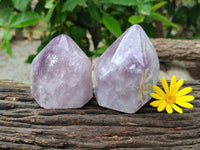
(171, 96)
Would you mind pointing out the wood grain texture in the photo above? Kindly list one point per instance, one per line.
(170, 49)
(25, 125)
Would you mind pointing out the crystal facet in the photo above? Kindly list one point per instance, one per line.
(61, 75)
(126, 71)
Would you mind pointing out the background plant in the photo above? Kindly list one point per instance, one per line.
(15, 14)
(186, 13)
(103, 20)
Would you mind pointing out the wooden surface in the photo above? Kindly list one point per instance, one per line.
(170, 49)
(24, 125)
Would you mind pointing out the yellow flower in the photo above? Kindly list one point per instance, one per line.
(171, 96)
(144, 86)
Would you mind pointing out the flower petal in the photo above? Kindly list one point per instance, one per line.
(156, 96)
(184, 104)
(185, 98)
(158, 90)
(172, 84)
(165, 85)
(162, 106)
(178, 109)
(178, 85)
(156, 103)
(169, 109)
(184, 91)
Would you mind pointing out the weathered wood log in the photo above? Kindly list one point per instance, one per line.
(25, 125)
(170, 49)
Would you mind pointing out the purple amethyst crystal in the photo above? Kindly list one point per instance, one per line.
(126, 71)
(61, 75)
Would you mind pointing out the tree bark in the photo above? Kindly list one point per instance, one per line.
(185, 50)
(25, 125)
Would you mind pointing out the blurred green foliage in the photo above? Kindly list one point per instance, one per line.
(15, 14)
(185, 13)
(104, 20)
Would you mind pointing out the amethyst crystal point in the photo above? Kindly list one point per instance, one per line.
(61, 75)
(126, 71)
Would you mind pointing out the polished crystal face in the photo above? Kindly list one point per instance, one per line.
(126, 71)
(61, 75)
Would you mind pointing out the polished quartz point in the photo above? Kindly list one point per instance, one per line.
(126, 71)
(61, 75)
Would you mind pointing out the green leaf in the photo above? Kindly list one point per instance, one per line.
(197, 36)
(39, 8)
(24, 19)
(6, 4)
(94, 11)
(149, 29)
(145, 9)
(169, 8)
(112, 24)
(5, 15)
(78, 34)
(161, 18)
(100, 50)
(159, 5)
(135, 19)
(180, 14)
(121, 2)
(21, 4)
(194, 13)
(6, 41)
(89, 53)
(49, 4)
(71, 4)
(49, 13)
(30, 58)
